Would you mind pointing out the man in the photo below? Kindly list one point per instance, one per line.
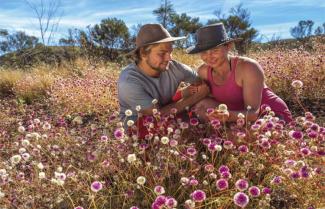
(155, 76)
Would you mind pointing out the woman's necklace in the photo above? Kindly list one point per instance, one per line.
(223, 77)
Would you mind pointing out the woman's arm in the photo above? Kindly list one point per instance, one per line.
(252, 78)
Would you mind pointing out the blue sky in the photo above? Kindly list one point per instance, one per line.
(269, 17)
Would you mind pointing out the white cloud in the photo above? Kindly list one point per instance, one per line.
(130, 11)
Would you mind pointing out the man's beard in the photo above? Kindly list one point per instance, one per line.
(158, 69)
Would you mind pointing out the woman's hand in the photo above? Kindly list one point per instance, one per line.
(193, 89)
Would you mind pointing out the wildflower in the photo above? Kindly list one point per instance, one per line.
(41, 175)
(223, 107)
(46, 126)
(241, 199)
(15, 159)
(173, 110)
(223, 168)
(265, 144)
(215, 123)
(22, 150)
(212, 147)
(131, 158)
(3, 172)
(21, 129)
(130, 123)
(154, 111)
(96, 186)
(209, 168)
(198, 196)
(184, 181)
(141, 180)
(194, 121)
(25, 143)
(193, 182)
(104, 138)
(191, 151)
(171, 202)
(173, 143)
(295, 175)
(134, 207)
(159, 190)
(290, 163)
(210, 110)
(228, 145)
(154, 101)
(240, 122)
(241, 184)
(160, 200)
(276, 180)
(119, 133)
(60, 176)
(241, 115)
(189, 204)
(254, 191)
(218, 148)
(225, 175)
(164, 140)
(2, 194)
(138, 108)
(222, 184)
(297, 84)
(305, 151)
(243, 148)
(241, 135)
(304, 173)
(248, 107)
(184, 125)
(25, 156)
(266, 190)
(296, 134)
(77, 120)
(78, 207)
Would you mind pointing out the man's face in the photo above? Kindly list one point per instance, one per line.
(159, 56)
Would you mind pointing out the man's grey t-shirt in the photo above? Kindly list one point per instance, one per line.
(136, 88)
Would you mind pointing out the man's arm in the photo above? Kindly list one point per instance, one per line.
(181, 104)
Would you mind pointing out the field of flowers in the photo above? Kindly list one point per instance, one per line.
(62, 144)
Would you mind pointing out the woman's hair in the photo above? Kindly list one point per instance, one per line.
(142, 51)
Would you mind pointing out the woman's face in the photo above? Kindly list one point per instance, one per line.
(215, 56)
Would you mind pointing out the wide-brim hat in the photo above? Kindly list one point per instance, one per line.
(210, 36)
(153, 34)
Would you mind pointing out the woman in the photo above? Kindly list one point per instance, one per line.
(235, 81)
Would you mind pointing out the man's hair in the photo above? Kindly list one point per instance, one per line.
(142, 51)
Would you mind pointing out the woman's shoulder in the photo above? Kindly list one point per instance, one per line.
(249, 67)
(246, 61)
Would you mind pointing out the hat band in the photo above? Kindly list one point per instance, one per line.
(211, 43)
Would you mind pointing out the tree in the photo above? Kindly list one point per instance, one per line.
(71, 40)
(184, 25)
(164, 13)
(111, 34)
(238, 25)
(318, 30)
(303, 29)
(48, 15)
(16, 41)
